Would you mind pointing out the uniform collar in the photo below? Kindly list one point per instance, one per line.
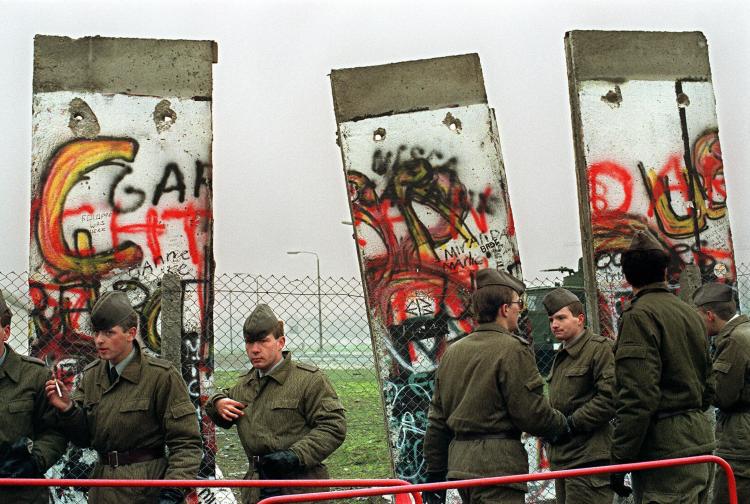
(575, 348)
(120, 366)
(11, 367)
(132, 371)
(495, 327)
(280, 372)
(652, 287)
(730, 326)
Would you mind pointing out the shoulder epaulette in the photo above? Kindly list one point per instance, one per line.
(32, 359)
(521, 339)
(598, 338)
(155, 361)
(91, 364)
(307, 367)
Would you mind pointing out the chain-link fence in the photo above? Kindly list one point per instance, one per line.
(325, 324)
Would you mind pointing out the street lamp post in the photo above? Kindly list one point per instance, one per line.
(320, 309)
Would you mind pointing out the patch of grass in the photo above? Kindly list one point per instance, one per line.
(364, 453)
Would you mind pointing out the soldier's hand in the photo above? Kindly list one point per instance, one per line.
(229, 409)
(58, 395)
(618, 486)
(434, 496)
(171, 496)
(19, 462)
(280, 464)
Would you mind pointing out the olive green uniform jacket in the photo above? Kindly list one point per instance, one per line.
(731, 377)
(293, 408)
(581, 385)
(487, 383)
(147, 407)
(25, 412)
(662, 365)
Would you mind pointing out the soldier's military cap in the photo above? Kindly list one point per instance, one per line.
(3, 307)
(490, 276)
(260, 323)
(713, 292)
(110, 310)
(644, 240)
(557, 299)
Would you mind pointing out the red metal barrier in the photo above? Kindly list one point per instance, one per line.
(325, 483)
(517, 478)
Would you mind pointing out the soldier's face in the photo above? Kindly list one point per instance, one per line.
(710, 320)
(564, 325)
(114, 344)
(4, 335)
(512, 311)
(266, 352)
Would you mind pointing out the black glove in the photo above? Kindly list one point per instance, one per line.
(564, 436)
(171, 496)
(281, 464)
(618, 486)
(266, 492)
(434, 496)
(19, 462)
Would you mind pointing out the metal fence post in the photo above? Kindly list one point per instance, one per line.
(171, 319)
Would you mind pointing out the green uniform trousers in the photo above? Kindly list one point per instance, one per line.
(593, 489)
(251, 495)
(672, 485)
(492, 495)
(742, 477)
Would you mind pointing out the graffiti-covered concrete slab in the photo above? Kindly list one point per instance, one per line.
(648, 156)
(121, 194)
(430, 205)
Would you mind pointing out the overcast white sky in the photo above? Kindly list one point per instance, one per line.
(278, 179)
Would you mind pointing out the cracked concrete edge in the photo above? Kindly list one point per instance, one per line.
(408, 86)
(619, 56)
(142, 67)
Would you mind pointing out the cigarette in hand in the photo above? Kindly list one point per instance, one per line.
(57, 388)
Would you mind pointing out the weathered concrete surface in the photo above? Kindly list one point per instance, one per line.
(629, 55)
(178, 68)
(121, 195)
(171, 319)
(410, 86)
(429, 201)
(648, 157)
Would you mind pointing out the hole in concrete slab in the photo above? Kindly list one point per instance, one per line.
(164, 116)
(379, 135)
(682, 100)
(82, 120)
(613, 98)
(453, 123)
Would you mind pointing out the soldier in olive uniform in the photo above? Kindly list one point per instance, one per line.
(129, 407)
(581, 386)
(28, 445)
(487, 391)
(287, 413)
(730, 378)
(662, 365)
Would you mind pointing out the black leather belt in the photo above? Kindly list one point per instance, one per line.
(119, 458)
(661, 415)
(477, 436)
